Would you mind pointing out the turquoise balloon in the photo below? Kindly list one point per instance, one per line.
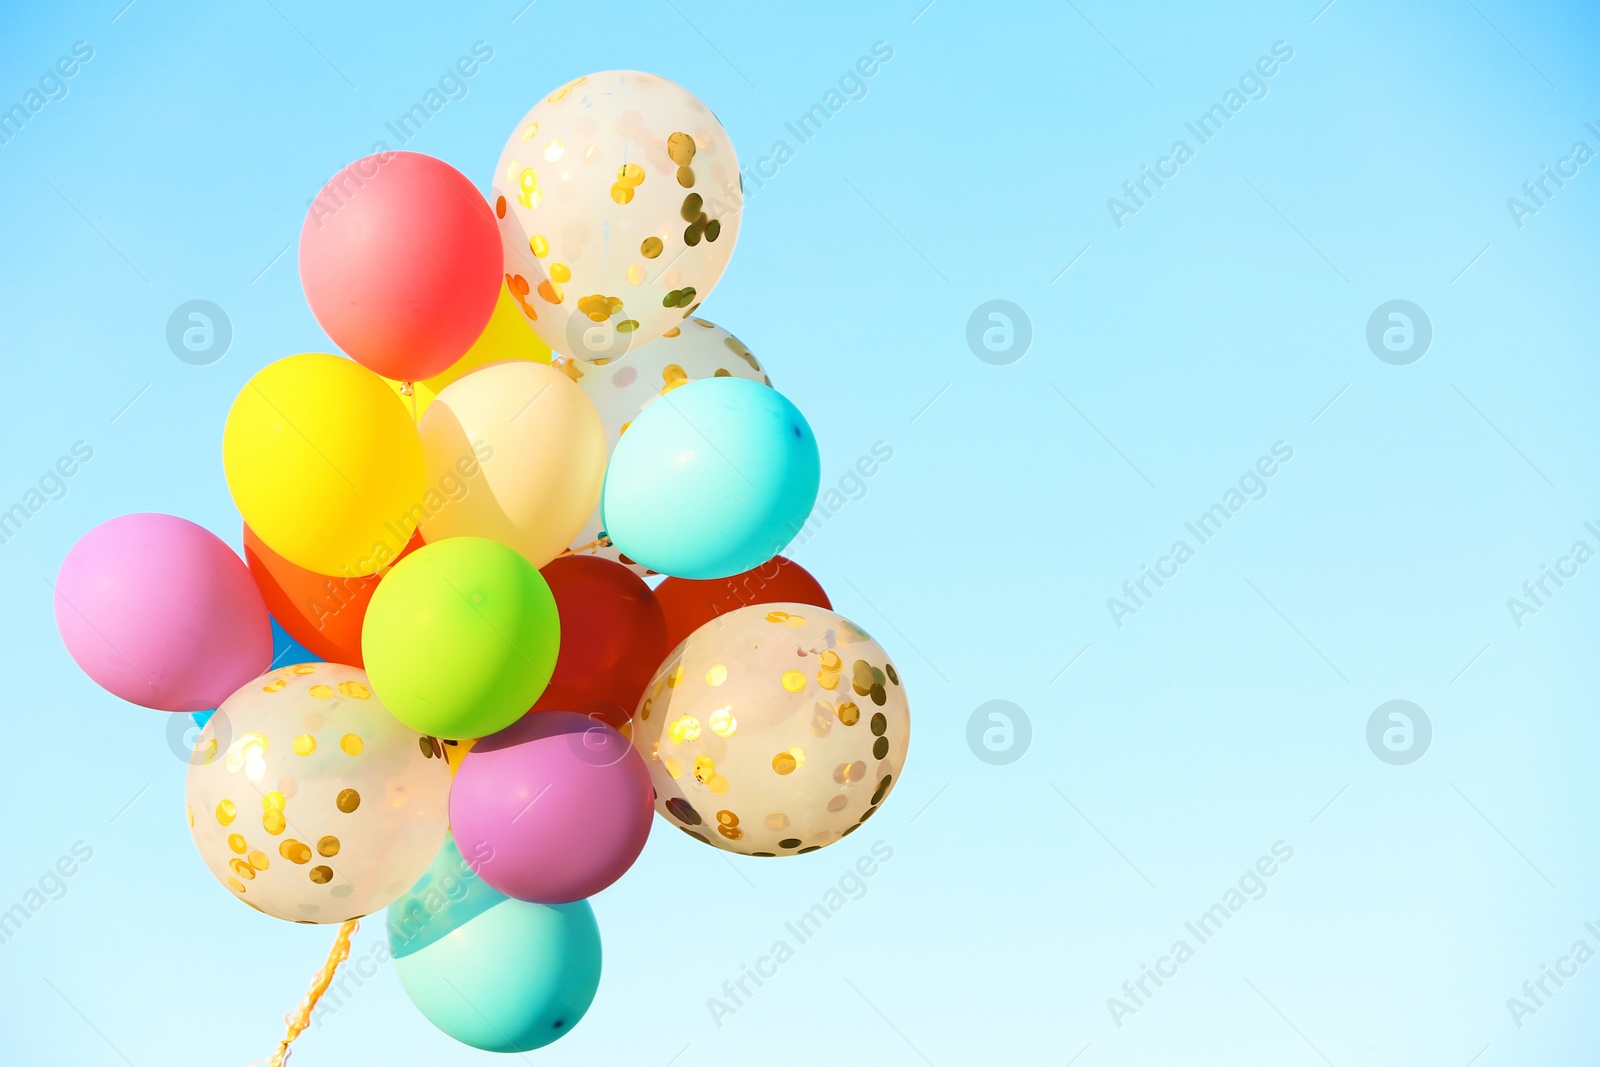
(710, 480)
(495, 973)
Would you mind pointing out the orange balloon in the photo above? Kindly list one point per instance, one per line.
(320, 611)
(690, 604)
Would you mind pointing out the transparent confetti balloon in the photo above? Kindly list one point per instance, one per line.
(310, 802)
(623, 388)
(618, 201)
(773, 730)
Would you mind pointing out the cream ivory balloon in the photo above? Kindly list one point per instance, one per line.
(618, 199)
(773, 730)
(513, 452)
(310, 802)
(621, 389)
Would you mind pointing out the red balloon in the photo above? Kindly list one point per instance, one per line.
(690, 604)
(322, 612)
(400, 260)
(613, 637)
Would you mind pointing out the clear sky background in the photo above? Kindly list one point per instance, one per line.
(1228, 713)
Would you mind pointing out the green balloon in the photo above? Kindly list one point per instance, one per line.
(512, 979)
(461, 637)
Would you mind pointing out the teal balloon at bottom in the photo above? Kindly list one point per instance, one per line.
(512, 978)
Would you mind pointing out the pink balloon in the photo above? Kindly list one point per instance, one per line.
(401, 263)
(560, 804)
(160, 612)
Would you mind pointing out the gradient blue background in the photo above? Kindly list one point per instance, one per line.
(1223, 717)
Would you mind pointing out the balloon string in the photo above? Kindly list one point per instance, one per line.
(301, 1018)
(600, 542)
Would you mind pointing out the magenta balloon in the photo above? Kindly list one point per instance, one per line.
(558, 802)
(160, 612)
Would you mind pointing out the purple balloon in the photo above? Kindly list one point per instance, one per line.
(560, 803)
(160, 612)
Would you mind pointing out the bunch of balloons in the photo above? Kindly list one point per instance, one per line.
(455, 519)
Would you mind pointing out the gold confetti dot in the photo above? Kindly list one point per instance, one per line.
(644, 711)
(732, 833)
(560, 272)
(622, 194)
(723, 724)
(880, 748)
(538, 245)
(691, 209)
(674, 766)
(627, 325)
(849, 714)
(242, 869)
(830, 660)
(630, 174)
(727, 818)
(704, 769)
(258, 860)
(680, 148)
(784, 763)
(651, 248)
(685, 728)
(675, 677)
(235, 885)
(274, 686)
(794, 681)
(716, 675)
(321, 875)
(226, 811)
(295, 851)
(351, 745)
(355, 690)
(349, 800)
(321, 692)
(888, 669)
(718, 784)
(236, 842)
(686, 177)
(273, 822)
(713, 229)
(328, 846)
(273, 801)
(305, 668)
(206, 751)
(879, 724)
(304, 744)
(553, 151)
(551, 291)
(190, 812)
(777, 821)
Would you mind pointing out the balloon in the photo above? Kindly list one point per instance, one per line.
(711, 479)
(688, 604)
(619, 200)
(613, 637)
(400, 262)
(507, 336)
(324, 464)
(521, 456)
(461, 637)
(322, 807)
(498, 974)
(558, 803)
(621, 389)
(286, 651)
(159, 612)
(323, 613)
(773, 730)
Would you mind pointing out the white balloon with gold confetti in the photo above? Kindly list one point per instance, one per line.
(618, 200)
(623, 388)
(312, 803)
(773, 730)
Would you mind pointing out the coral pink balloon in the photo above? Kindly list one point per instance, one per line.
(400, 260)
(160, 612)
(559, 803)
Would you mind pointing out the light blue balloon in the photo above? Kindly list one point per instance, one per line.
(495, 973)
(713, 478)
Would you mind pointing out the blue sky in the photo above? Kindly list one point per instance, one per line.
(1170, 354)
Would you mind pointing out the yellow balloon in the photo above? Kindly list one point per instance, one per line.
(508, 336)
(513, 452)
(324, 464)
